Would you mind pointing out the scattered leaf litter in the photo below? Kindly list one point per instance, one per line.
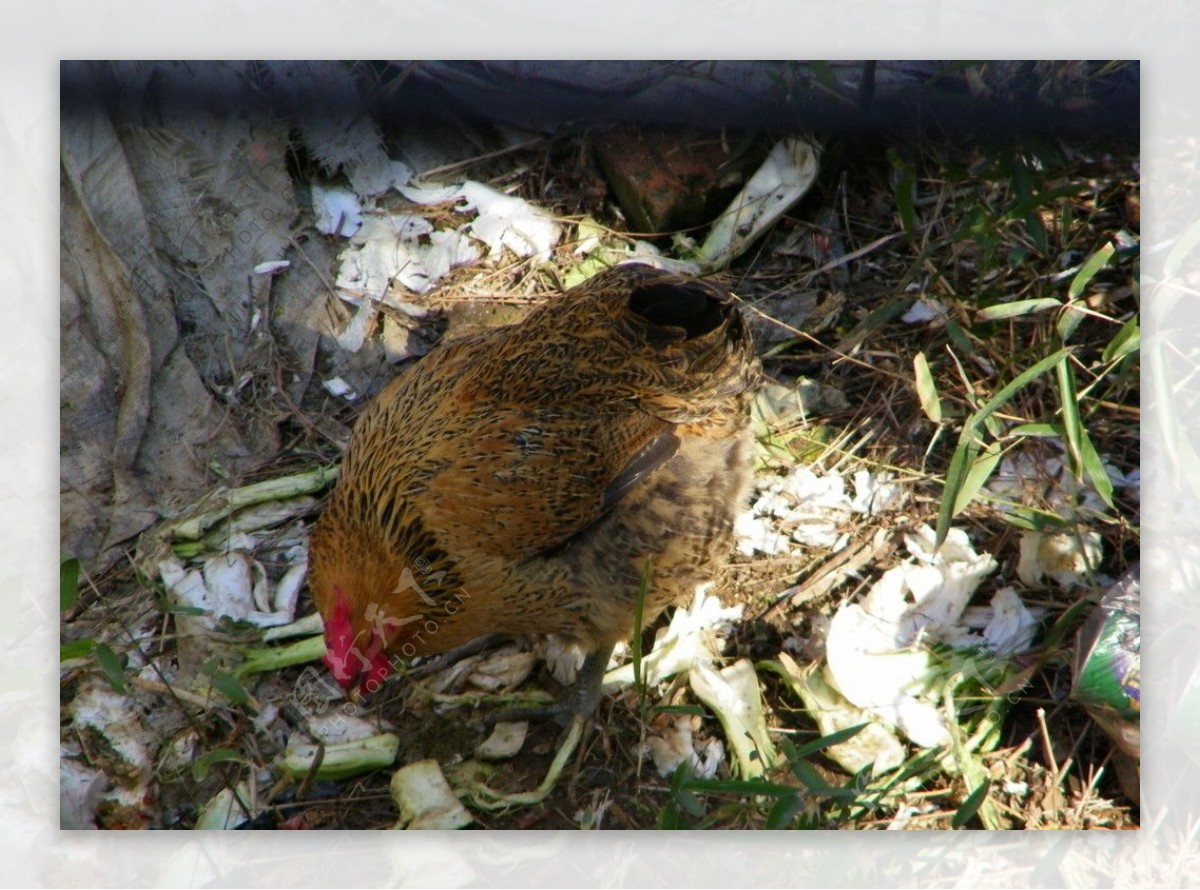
(506, 668)
(878, 649)
(114, 738)
(230, 585)
(425, 798)
(407, 249)
(336, 386)
(505, 741)
(229, 808)
(1037, 475)
(272, 266)
(875, 745)
(924, 310)
(803, 508)
(734, 696)
(337, 210)
(786, 174)
(694, 636)
(672, 741)
(1066, 558)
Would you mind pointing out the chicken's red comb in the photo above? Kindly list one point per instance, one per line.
(351, 667)
(343, 663)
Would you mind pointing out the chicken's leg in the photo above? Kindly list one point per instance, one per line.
(574, 708)
(579, 700)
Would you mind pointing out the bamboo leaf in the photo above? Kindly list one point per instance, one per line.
(1016, 308)
(688, 801)
(1088, 270)
(963, 477)
(1037, 430)
(956, 475)
(76, 649)
(958, 338)
(110, 664)
(1126, 342)
(740, 786)
(927, 388)
(1001, 398)
(873, 322)
(784, 812)
(668, 817)
(1032, 519)
(1093, 468)
(978, 473)
(1072, 424)
(1072, 315)
(230, 688)
(690, 710)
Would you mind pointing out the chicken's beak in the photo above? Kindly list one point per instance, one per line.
(355, 694)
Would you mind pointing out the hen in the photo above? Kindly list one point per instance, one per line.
(522, 480)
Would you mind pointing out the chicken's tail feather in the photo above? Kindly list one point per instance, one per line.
(679, 347)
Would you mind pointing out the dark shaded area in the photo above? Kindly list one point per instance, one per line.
(948, 97)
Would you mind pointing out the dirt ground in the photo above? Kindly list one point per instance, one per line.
(980, 223)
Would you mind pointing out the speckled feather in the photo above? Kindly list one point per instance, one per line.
(517, 481)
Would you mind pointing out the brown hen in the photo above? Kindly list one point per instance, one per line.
(520, 481)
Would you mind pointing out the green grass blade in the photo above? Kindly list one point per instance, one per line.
(904, 181)
(873, 322)
(1072, 315)
(784, 812)
(971, 805)
(740, 786)
(68, 580)
(202, 765)
(230, 688)
(225, 683)
(827, 741)
(963, 473)
(682, 794)
(958, 337)
(668, 817)
(1037, 430)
